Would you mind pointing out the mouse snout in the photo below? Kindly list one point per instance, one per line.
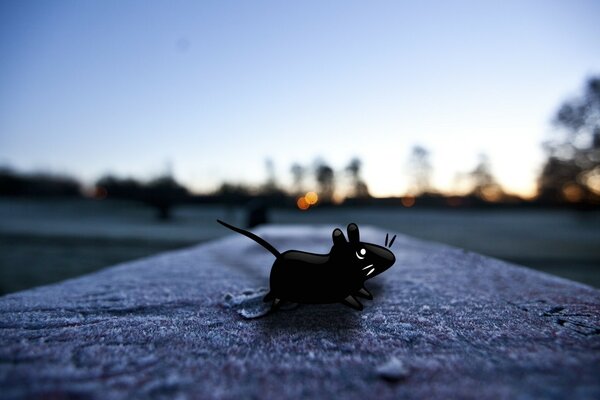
(385, 257)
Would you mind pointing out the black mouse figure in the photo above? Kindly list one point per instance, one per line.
(336, 277)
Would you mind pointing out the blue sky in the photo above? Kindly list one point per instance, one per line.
(215, 88)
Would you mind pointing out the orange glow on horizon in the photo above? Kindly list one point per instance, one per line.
(101, 192)
(572, 193)
(491, 194)
(408, 201)
(592, 180)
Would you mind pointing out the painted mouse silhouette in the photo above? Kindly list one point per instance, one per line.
(336, 277)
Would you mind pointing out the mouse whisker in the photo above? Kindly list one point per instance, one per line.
(392, 241)
(386, 239)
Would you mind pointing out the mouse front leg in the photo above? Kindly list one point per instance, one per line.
(351, 301)
(364, 293)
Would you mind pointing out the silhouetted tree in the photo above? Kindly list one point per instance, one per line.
(572, 171)
(121, 188)
(163, 193)
(484, 184)
(359, 186)
(325, 177)
(421, 171)
(233, 190)
(298, 172)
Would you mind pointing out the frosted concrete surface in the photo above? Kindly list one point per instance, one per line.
(444, 323)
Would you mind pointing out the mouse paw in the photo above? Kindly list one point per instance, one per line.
(275, 305)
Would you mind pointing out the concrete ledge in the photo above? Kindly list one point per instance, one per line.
(444, 323)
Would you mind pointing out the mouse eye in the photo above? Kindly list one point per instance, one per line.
(361, 254)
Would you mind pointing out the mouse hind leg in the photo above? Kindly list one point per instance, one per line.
(364, 293)
(276, 304)
(351, 301)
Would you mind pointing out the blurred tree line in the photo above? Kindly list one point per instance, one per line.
(319, 176)
(571, 172)
(161, 193)
(15, 184)
(570, 176)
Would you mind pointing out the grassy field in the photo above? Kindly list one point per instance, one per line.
(47, 241)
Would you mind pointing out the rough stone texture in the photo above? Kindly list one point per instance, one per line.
(445, 323)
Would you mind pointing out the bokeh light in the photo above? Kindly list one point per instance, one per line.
(311, 198)
(302, 204)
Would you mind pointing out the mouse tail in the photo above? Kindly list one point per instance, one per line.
(252, 236)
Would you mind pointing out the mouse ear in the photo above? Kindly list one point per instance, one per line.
(338, 236)
(353, 235)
